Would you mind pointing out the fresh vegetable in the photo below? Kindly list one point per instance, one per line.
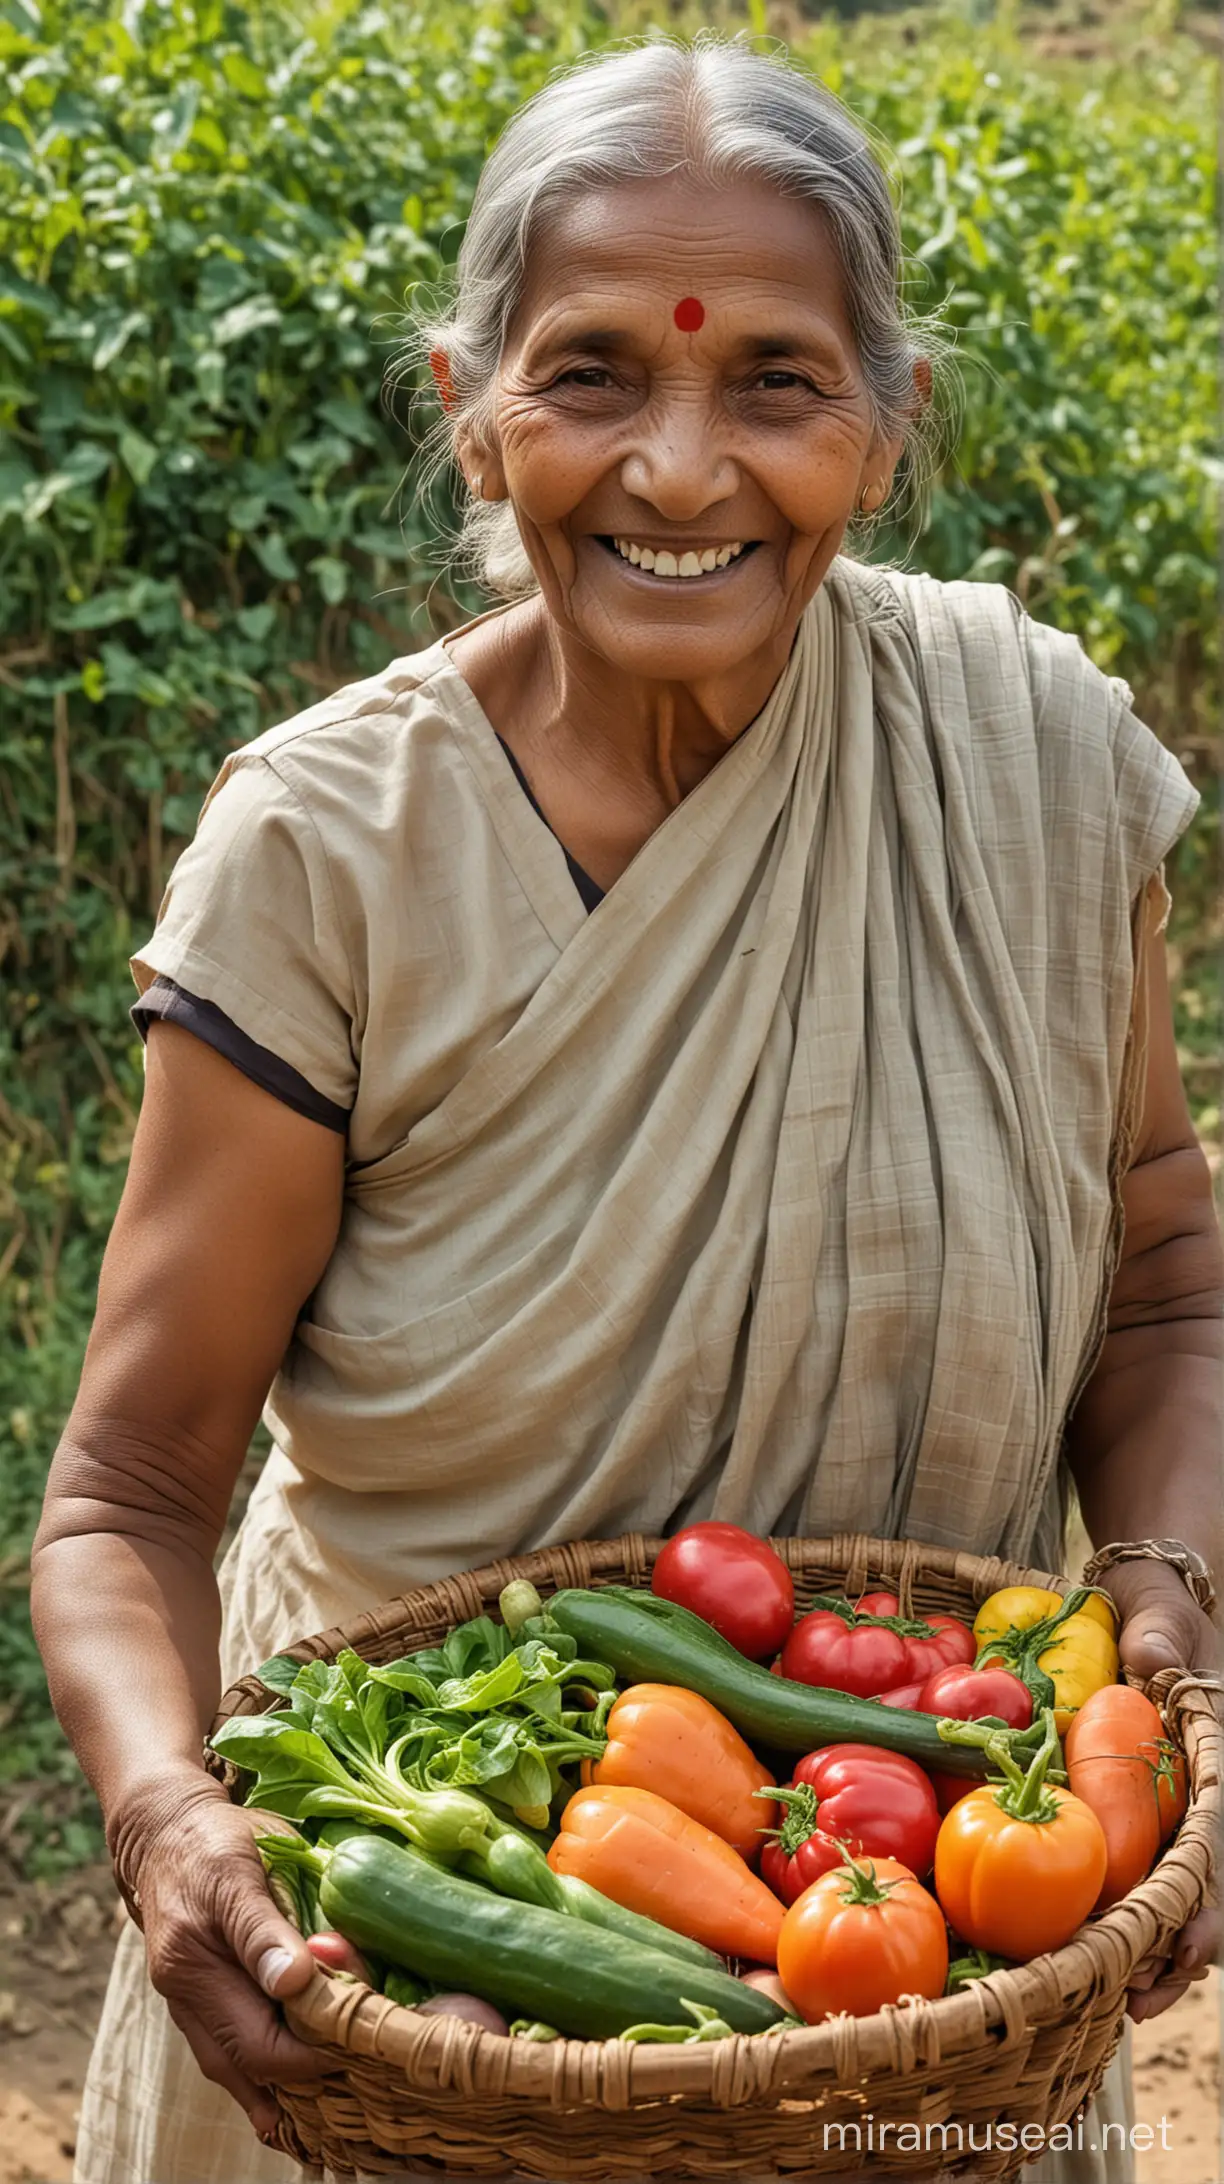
(479, 1712)
(401, 1987)
(839, 1654)
(962, 1693)
(880, 1802)
(1018, 1868)
(647, 1854)
(974, 1964)
(797, 1853)
(652, 1641)
(675, 1743)
(706, 2025)
(951, 1642)
(336, 1955)
(906, 1694)
(733, 1580)
(1125, 1768)
(930, 1641)
(300, 1777)
(1062, 1649)
(470, 2008)
(770, 1984)
(862, 1935)
(526, 1961)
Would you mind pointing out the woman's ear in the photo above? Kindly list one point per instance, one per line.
(482, 468)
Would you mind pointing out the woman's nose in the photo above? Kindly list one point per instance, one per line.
(679, 467)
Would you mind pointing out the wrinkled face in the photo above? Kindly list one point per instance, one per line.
(681, 423)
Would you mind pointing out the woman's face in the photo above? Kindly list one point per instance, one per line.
(626, 428)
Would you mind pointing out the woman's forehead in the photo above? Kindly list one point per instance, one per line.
(742, 250)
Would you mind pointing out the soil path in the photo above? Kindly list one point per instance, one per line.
(55, 1949)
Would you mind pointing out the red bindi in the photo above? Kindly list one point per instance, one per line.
(689, 314)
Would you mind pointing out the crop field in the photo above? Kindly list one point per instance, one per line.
(211, 212)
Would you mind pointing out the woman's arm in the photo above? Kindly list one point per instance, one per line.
(228, 1219)
(1146, 1443)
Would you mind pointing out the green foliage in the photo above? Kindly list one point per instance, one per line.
(209, 217)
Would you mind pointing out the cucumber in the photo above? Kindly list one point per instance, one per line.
(648, 1640)
(527, 1961)
(584, 1902)
(515, 1868)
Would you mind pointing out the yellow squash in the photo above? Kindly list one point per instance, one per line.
(1073, 1642)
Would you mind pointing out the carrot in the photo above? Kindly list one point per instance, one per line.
(1120, 1762)
(671, 1741)
(650, 1857)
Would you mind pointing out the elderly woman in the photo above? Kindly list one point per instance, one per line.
(680, 1046)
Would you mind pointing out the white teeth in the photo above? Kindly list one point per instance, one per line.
(689, 563)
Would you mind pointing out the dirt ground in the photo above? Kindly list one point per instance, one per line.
(55, 1947)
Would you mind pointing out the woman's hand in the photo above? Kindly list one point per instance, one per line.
(218, 1948)
(1163, 1628)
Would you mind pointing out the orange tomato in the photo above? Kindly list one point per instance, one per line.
(1019, 1884)
(865, 1933)
(1121, 1763)
(671, 1741)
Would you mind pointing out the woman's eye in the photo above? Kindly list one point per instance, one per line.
(782, 382)
(585, 375)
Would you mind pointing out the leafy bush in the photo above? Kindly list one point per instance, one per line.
(209, 216)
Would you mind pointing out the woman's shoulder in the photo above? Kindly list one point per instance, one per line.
(361, 726)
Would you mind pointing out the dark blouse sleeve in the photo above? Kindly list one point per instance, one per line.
(176, 1006)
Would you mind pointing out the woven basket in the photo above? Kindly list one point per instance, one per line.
(1029, 2046)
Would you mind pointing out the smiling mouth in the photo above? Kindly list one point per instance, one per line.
(683, 565)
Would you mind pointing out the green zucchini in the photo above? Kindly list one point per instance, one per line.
(527, 1961)
(648, 1640)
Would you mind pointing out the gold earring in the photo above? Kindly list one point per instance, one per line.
(478, 485)
(871, 498)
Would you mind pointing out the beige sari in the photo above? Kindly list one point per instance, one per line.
(781, 1188)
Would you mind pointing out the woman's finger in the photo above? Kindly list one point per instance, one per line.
(1200, 1942)
(264, 1942)
(259, 2104)
(1162, 1627)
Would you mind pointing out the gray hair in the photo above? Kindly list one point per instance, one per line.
(713, 107)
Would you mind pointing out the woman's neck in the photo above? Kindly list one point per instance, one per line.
(566, 713)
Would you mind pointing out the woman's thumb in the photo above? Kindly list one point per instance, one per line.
(272, 1950)
(1160, 1630)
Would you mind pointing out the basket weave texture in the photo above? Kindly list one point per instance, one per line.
(1029, 2045)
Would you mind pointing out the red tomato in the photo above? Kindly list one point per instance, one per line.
(878, 1603)
(904, 1694)
(731, 1579)
(962, 1693)
(970, 1694)
(824, 1650)
(950, 1641)
(789, 1872)
(877, 1801)
(335, 1954)
(862, 1936)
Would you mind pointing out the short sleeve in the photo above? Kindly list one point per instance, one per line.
(1153, 800)
(249, 923)
(1156, 798)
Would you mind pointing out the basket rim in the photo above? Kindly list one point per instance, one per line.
(437, 2052)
